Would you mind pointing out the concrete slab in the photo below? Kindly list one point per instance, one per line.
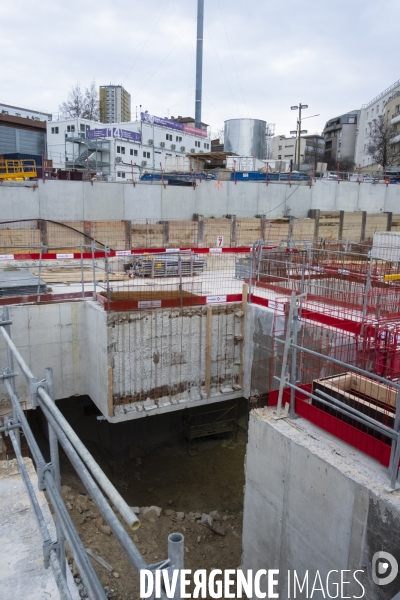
(22, 574)
(314, 503)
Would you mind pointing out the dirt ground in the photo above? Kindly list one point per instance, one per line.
(209, 478)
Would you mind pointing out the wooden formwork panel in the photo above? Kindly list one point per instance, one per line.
(275, 232)
(303, 229)
(352, 226)
(214, 228)
(110, 233)
(147, 235)
(375, 223)
(247, 231)
(329, 225)
(183, 234)
(21, 240)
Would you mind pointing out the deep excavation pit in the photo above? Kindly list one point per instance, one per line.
(150, 463)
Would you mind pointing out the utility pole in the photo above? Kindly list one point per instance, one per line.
(298, 131)
(199, 62)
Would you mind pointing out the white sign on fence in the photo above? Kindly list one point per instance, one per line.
(149, 304)
(220, 241)
(215, 299)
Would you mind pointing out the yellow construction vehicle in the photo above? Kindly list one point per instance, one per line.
(17, 170)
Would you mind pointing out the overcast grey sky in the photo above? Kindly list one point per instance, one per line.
(260, 57)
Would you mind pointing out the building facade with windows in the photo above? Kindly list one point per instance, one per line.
(340, 134)
(368, 113)
(311, 149)
(24, 113)
(115, 104)
(122, 151)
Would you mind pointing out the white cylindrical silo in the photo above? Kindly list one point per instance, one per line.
(245, 137)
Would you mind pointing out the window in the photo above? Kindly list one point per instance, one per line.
(352, 119)
(54, 130)
(178, 138)
(279, 156)
(119, 174)
(157, 151)
(123, 175)
(377, 110)
(290, 146)
(168, 136)
(118, 149)
(82, 127)
(167, 154)
(87, 127)
(339, 144)
(206, 146)
(367, 115)
(288, 155)
(133, 152)
(122, 149)
(70, 128)
(146, 154)
(280, 148)
(197, 144)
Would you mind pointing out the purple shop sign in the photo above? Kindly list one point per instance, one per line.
(146, 118)
(114, 132)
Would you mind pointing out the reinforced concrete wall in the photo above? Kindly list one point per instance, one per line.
(314, 503)
(77, 201)
(131, 364)
(160, 358)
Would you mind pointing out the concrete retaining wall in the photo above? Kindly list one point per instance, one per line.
(76, 201)
(131, 364)
(48, 335)
(314, 503)
(159, 357)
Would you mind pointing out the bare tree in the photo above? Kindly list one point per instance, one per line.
(217, 134)
(379, 147)
(91, 103)
(80, 103)
(346, 164)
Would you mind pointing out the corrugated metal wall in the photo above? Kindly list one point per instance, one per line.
(22, 141)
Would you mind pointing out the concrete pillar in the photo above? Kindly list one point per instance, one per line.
(316, 213)
(363, 225)
(233, 231)
(87, 230)
(128, 235)
(165, 234)
(341, 222)
(263, 221)
(291, 225)
(389, 221)
(43, 233)
(200, 232)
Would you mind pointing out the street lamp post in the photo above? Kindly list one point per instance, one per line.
(299, 131)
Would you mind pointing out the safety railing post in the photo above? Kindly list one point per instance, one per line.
(176, 558)
(82, 276)
(94, 271)
(10, 366)
(55, 460)
(40, 271)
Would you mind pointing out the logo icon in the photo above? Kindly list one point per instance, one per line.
(384, 568)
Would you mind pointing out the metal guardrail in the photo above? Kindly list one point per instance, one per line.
(94, 479)
(289, 380)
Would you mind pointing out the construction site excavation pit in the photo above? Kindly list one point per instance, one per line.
(152, 463)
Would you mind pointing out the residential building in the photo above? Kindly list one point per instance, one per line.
(24, 113)
(392, 114)
(311, 149)
(119, 151)
(115, 104)
(368, 113)
(340, 134)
